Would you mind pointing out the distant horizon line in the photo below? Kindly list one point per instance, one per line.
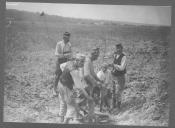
(104, 20)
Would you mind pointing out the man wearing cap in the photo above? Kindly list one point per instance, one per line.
(63, 53)
(118, 73)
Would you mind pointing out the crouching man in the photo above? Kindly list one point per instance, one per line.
(70, 80)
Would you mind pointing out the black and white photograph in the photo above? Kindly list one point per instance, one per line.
(100, 64)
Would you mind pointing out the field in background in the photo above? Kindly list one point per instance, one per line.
(29, 74)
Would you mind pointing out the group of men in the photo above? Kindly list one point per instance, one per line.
(77, 73)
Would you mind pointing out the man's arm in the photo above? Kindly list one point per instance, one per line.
(93, 72)
(58, 51)
(101, 76)
(122, 66)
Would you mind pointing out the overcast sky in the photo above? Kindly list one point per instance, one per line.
(159, 15)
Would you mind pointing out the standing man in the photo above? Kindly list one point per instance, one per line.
(70, 82)
(63, 53)
(118, 73)
(69, 109)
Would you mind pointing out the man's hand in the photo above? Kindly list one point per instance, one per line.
(55, 91)
(116, 66)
